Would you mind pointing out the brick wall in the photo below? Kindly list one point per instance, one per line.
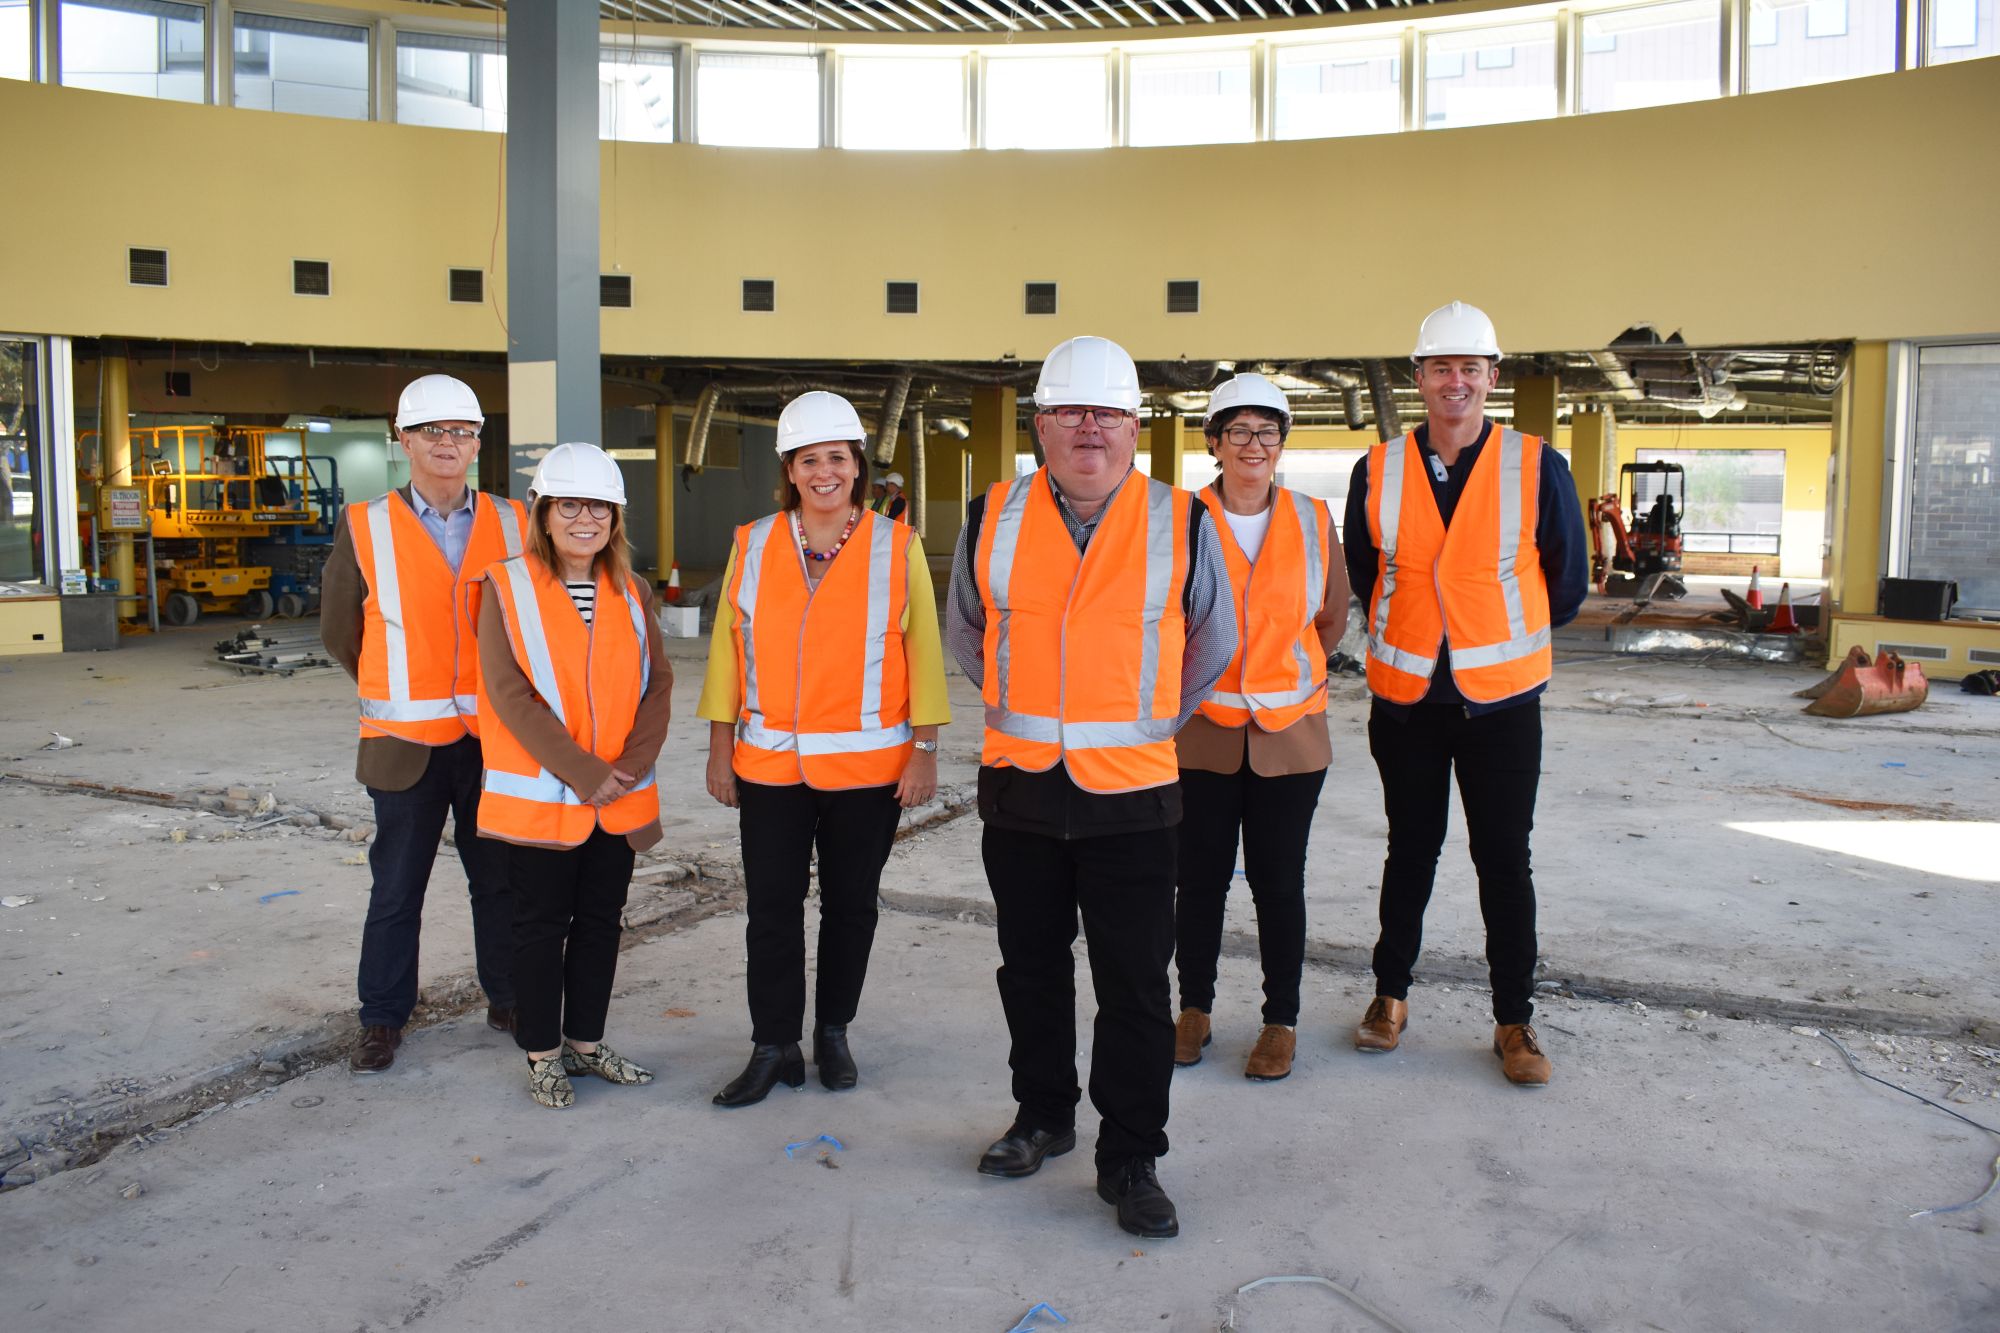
(1954, 491)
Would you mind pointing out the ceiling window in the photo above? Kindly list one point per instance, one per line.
(1798, 42)
(16, 40)
(1462, 89)
(1191, 97)
(1961, 30)
(1047, 102)
(1651, 56)
(457, 83)
(911, 102)
(148, 48)
(749, 100)
(1338, 88)
(314, 69)
(635, 94)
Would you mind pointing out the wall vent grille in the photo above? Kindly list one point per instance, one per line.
(468, 286)
(902, 298)
(1041, 298)
(145, 268)
(1183, 296)
(312, 277)
(614, 291)
(760, 294)
(1922, 652)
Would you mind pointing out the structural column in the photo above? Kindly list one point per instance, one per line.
(1535, 406)
(663, 489)
(554, 383)
(114, 456)
(1860, 443)
(995, 435)
(1165, 438)
(1593, 454)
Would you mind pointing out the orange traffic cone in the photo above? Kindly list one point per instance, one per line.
(1781, 619)
(1755, 597)
(673, 591)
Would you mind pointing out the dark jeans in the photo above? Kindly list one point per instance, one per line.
(1497, 758)
(1123, 883)
(781, 825)
(408, 825)
(567, 902)
(1274, 816)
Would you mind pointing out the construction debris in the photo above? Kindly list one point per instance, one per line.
(274, 650)
(1863, 689)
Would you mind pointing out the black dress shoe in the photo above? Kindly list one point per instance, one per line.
(835, 1061)
(1019, 1152)
(769, 1066)
(1143, 1207)
(376, 1050)
(500, 1017)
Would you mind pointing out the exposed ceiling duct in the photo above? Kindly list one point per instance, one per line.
(891, 419)
(1388, 421)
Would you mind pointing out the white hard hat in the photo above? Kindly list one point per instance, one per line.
(577, 472)
(1088, 372)
(1457, 329)
(893, 479)
(817, 417)
(437, 398)
(1247, 390)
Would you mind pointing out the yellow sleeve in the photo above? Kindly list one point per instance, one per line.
(923, 649)
(720, 701)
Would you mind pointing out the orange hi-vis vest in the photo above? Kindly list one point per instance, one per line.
(419, 670)
(824, 683)
(1478, 585)
(591, 677)
(1279, 672)
(1083, 649)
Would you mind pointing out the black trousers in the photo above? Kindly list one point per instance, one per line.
(1274, 817)
(1123, 884)
(1497, 758)
(781, 825)
(408, 825)
(567, 907)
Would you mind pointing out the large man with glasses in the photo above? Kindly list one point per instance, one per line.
(1092, 607)
(1466, 541)
(395, 613)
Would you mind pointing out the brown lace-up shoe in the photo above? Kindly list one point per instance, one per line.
(1521, 1057)
(1190, 1035)
(1382, 1026)
(1271, 1059)
(376, 1050)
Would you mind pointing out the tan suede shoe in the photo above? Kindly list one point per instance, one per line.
(1271, 1059)
(1190, 1035)
(1521, 1057)
(1382, 1026)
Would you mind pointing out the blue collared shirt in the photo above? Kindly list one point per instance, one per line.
(450, 531)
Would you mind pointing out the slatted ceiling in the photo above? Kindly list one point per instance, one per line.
(947, 16)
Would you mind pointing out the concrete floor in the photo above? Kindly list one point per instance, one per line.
(1720, 877)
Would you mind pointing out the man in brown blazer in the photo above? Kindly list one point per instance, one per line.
(394, 612)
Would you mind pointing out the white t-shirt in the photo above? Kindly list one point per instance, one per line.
(1249, 530)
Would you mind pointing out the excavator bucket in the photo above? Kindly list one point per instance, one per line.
(1887, 685)
(1857, 656)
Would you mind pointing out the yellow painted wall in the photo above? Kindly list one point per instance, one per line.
(1845, 232)
(1860, 441)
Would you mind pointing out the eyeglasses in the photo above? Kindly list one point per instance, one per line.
(1268, 436)
(464, 434)
(597, 508)
(1109, 419)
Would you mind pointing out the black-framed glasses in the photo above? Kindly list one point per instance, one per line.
(1268, 436)
(1107, 418)
(464, 434)
(597, 508)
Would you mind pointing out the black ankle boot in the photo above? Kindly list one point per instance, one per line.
(835, 1061)
(768, 1067)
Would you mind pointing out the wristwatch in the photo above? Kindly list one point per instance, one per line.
(928, 747)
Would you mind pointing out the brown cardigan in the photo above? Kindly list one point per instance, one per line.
(524, 714)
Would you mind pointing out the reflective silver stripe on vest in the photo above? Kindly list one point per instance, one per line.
(1391, 656)
(881, 555)
(638, 610)
(409, 710)
(545, 787)
(385, 582)
(1512, 447)
(1000, 574)
(1159, 580)
(1080, 735)
(755, 730)
(1269, 699)
(746, 604)
(1389, 514)
(1493, 654)
(510, 526)
(534, 637)
(1308, 514)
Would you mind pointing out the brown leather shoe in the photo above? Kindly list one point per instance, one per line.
(376, 1050)
(1521, 1057)
(500, 1017)
(1271, 1059)
(1382, 1026)
(1190, 1035)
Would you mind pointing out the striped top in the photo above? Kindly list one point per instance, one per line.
(585, 596)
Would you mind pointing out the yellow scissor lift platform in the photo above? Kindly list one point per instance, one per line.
(208, 490)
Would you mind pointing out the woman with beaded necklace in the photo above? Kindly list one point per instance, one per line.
(824, 693)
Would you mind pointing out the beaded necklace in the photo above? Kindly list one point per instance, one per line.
(853, 517)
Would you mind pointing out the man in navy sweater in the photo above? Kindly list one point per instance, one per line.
(1462, 596)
